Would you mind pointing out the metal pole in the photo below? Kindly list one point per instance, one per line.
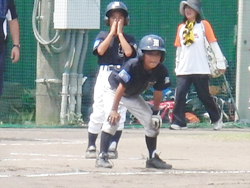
(243, 56)
(232, 98)
(48, 84)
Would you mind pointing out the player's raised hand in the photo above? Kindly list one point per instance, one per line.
(120, 26)
(113, 29)
(114, 117)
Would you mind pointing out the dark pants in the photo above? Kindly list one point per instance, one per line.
(3, 47)
(201, 84)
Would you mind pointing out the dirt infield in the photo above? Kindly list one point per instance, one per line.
(54, 158)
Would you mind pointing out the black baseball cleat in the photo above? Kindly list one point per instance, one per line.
(102, 161)
(158, 163)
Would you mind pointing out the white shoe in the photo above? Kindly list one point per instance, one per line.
(177, 127)
(218, 125)
(91, 153)
(112, 154)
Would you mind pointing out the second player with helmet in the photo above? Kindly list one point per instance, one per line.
(112, 48)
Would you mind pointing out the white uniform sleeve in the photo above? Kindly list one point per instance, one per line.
(177, 57)
(221, 63)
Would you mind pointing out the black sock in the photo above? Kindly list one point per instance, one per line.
(105, 140)
(116, 137)
(92, 139)
(151, 145)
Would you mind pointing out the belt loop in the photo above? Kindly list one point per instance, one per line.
(110, 67)
(103, 67)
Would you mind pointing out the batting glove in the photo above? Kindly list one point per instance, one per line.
(156, 121)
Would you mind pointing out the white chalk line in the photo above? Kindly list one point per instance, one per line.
(39, 139)
(58, 156)
(35, 157)
(47, 155)
(131, 173)
(43, 144)
(82, 157)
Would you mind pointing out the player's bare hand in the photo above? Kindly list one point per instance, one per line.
(222, 71)
(120, 26)
(113, 29)
(113, 118)
(15, 54)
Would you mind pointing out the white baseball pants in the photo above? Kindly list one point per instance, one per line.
(97, 118)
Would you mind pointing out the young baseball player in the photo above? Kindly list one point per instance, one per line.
(136, 76)
(112, 48)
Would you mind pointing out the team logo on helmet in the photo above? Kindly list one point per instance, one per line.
(156, 42)
(116, 4)
(152, 42)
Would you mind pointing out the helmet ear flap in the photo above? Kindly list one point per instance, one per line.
(106, 20)
(162, 57)
(127, 20)
(139, 53)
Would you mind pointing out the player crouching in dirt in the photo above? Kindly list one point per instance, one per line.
(137, 75)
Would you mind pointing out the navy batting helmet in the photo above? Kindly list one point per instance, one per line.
(152, 43)
(116, 5)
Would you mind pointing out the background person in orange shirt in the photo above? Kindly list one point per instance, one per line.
(191, 64)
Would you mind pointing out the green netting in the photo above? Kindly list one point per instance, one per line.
(146, 16)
